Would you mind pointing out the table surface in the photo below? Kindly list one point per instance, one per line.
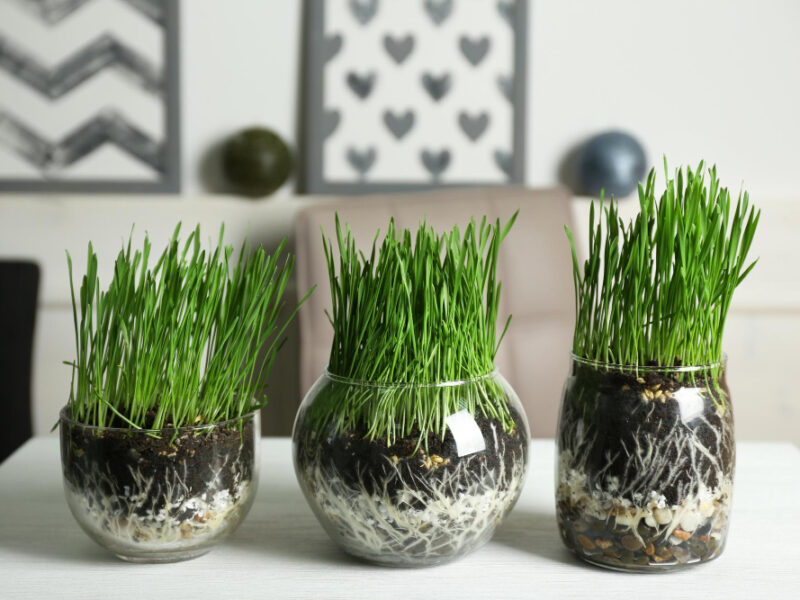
(280, 551)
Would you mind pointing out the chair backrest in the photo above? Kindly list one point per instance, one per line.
(534, 267)
(19, 287)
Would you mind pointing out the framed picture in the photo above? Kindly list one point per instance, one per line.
(89, 96)
(413, 94)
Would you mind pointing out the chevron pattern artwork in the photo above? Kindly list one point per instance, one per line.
(89, 95)
(414, 93)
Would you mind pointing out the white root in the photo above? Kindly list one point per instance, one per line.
(127, 518)
(428, 521)
(652, 468)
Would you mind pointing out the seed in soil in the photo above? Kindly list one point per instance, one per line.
(585, 542)
(631, 543)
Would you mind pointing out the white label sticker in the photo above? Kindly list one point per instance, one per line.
(466, 433)
(690, 401)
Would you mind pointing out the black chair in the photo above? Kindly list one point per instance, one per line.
(19, 288)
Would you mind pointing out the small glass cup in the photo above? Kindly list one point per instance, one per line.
(414, 501)
(645, 464)
(160, 495)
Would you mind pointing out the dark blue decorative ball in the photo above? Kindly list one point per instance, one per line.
(613, 161)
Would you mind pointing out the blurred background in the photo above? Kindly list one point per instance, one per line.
(269, 115)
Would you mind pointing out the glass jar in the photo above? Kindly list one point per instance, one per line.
(645, 464)
(412, 500)
(160, 495)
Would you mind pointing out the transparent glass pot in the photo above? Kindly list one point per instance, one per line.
(412, 501)
(164, 495)
(645, 464)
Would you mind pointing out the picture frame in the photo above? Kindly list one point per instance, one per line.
(321, 119)
(39, 94)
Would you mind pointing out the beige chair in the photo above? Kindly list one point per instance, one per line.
(534, 267)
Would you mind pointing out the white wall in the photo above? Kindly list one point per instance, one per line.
(240, 67)
(712, 78)
(692, 79)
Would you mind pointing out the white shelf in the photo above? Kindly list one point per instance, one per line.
(280, 551)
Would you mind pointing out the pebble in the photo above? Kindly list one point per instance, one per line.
(682, 555)
(650, 549)
(700, 549)
(631, 543)
(586, 542)
(580, 526)
(680, 533)
(646, 532)
(662, 515)
(664, 552)
(603, 543)
(706, 508)
(690, 520)
(598, 524)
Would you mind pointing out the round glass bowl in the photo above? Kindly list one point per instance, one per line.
(645, 464)
(164, 495)
(413, 500)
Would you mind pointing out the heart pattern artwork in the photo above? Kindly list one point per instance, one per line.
(361, 161)
(416, 92)
(399, 125)
(330, 121)
(506, 86)
(474, 50)
(435, 162)
(436, 86)
(504, 161)
(438, 10)
(398, 48)
(331, 46)
(473, 126)
(364, 10)
(508, 11)
(361, 84)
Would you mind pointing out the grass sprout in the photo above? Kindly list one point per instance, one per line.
(418, 310)
(178, 344)
(657, 290)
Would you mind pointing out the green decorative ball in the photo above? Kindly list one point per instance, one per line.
(256, 161)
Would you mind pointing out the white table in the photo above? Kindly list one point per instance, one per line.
(281, 552)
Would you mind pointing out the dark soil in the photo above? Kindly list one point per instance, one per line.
(358, 460)
(609, 405)
(106, 458)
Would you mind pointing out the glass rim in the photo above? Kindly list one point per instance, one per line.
(408, 384)
(64, 416)
(722, 362)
